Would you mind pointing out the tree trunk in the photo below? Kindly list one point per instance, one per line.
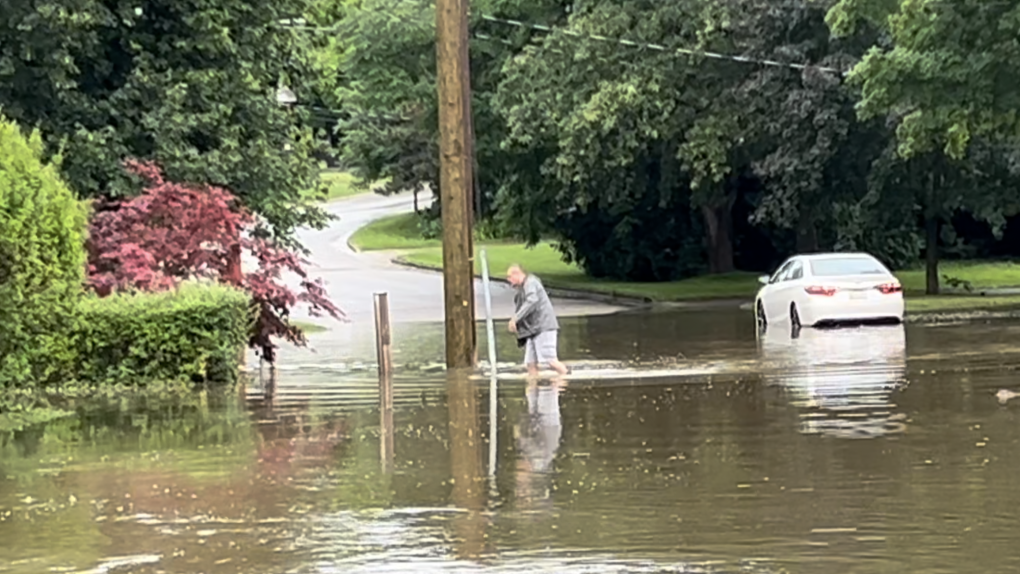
(719, 235)
(416, 200)
(233, 274)
(931, 255)
(807, 234)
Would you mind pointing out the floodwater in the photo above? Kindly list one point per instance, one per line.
(870, 450)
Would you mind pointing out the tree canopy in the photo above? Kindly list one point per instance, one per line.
(946, 74)
(649, 140)
(189, 85)
(658, 140)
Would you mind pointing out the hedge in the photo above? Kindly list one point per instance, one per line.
(196, 332)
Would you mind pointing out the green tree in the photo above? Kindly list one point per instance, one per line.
(945, 78)
(946, 75)
(189, 85)
(619, 125)
(387, 89)
(42, 262)
(913, 200)
(603, 125)
(812, 153)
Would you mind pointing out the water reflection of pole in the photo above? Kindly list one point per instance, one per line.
(491, 332)
(466, 463)
(385, 359)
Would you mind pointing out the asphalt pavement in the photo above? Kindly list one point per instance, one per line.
(415, 295)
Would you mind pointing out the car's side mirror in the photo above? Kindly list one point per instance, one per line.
(763, 279)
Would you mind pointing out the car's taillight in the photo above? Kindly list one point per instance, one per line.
(890, 288)
(824, 291)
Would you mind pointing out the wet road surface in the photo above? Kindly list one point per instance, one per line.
(875, 450)
(415, 295)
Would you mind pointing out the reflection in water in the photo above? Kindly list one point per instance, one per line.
(538, 438)
(295, 437)
(841, 378)
(466, 464)
(671, 475)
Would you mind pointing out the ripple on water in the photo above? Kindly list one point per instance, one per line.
(418, 540)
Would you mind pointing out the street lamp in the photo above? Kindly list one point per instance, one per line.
(285, 96)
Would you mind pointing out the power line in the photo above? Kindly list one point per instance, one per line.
(300, 24)
(661, 48)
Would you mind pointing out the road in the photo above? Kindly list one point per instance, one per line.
(415, 295)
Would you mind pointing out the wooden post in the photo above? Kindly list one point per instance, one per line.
(472, 197)
(269, 391)
(455, 181)
(385, 359)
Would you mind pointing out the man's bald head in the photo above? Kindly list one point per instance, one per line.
(515, 275)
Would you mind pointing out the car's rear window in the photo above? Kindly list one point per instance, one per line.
(846, 266)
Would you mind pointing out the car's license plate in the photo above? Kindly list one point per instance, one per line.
(858, 294)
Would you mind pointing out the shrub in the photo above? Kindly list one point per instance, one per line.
(173, 232)
(42, 263)
(195, 331)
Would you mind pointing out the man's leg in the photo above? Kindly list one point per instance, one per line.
(546, 348)
(531, 358)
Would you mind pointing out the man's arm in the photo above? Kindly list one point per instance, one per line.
(528, 302)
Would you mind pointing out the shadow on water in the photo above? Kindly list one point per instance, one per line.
(753, 470)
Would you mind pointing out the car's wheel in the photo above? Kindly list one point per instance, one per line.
(794, 316)
(759, 314)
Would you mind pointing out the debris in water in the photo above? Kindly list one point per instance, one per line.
(1004, 395)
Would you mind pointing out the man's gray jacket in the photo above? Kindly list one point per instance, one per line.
(535, 312)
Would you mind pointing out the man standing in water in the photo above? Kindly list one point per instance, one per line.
(534, 322)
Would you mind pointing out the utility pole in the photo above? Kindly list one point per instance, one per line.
(455, 181)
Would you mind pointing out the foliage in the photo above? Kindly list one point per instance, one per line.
(605, 124)
(193, 332)
(656, 165)
(189, 85)
(646, 153)
(947, 74)
(602, 126)
(173, 232)
(42, 262)
(389, 89)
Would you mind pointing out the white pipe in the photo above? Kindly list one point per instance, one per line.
(491, 331)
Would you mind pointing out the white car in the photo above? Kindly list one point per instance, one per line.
(830, 288)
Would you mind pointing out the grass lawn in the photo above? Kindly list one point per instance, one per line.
(309, 328)
(340, 184)
(981, 275)
(545, 262)
(393, 232)
(935, 304)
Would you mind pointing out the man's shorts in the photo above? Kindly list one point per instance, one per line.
(541, 349)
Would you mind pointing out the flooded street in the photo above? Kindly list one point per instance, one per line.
(872, 450)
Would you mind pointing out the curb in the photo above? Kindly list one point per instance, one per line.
(610, 298)
(941, 317)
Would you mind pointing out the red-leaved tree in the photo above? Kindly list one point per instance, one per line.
(172, 232)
